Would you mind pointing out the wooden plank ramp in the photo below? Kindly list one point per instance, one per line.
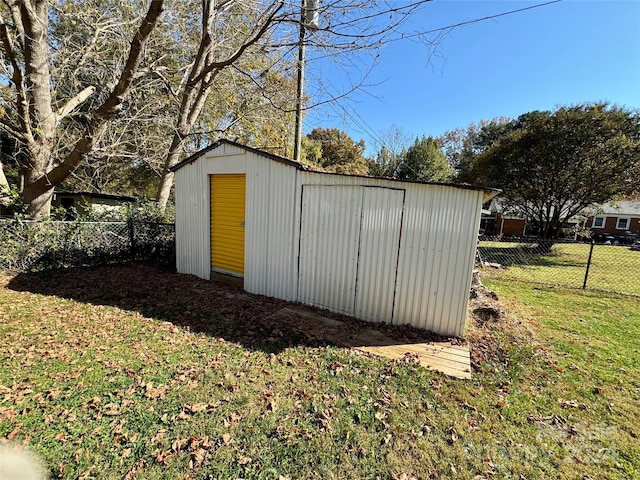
(444, 357)
(452, 360)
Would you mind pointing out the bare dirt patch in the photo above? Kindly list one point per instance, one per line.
(204, 306)
(488, 318)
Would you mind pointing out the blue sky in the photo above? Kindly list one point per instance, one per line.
(564, 53)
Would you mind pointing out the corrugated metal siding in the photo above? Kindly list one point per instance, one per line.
(226, 149)
(193, 210)
(437, 250)
(379, 248)
(270, 229)
(349, 241)
(314, 178)
(282, 256)
(329, 240)
(192, 220)
(227, 222)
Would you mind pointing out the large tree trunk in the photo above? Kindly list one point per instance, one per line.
(41, 141)
(173, 157)
(37, 193)
(38, 203)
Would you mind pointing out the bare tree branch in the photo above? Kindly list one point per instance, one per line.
(266, 24)
(13, 131)
(74, 102)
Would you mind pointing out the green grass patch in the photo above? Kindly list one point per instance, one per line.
(128, 372)
(613, 268)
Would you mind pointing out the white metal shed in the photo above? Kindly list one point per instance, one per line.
(377, 249)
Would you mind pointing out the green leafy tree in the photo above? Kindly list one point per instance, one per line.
(552, 165)
(385, 163)
(424, 161)
(340, 153)
(394, 147)
(462, 145)
(311, 153)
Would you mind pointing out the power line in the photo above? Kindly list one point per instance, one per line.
(469, 22)
(362, 123)
(460, 24)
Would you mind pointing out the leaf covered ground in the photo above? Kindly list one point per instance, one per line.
(132, 372)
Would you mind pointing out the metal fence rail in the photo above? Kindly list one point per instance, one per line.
(29, 245)
(613, 268)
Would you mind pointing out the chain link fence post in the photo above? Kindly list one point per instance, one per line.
(586, 273)
(132, 239)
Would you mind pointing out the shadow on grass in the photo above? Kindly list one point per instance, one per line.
(207, 307)
(530, 256)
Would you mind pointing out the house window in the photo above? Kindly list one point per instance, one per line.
(598, 222)
(622, 224)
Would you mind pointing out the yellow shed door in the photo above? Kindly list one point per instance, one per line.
(227, 223)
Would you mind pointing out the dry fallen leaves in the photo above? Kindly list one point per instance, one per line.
(162, 456)
(403, 476)
(453, 434)
(155, 393)
(112, 410)
(14, 433)
(86, 473)
(572, 404)
(197, 457)
(196, 407)
(139, 465)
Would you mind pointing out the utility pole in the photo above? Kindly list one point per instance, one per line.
(308, 17)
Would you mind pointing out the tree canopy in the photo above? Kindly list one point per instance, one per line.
(338, 152)
(553, 164)
(394, 147)
(462, 145)
(96, 91)
(425, 162)
(60, 99)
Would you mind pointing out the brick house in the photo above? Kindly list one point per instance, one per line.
(495, 221)
(499, 221)
(619, 220)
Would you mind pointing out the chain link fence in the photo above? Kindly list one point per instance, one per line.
(29, 245)
(613, 268)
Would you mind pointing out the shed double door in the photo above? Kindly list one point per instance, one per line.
(349, 245)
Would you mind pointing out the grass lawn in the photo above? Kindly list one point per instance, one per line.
(131, 372)
(613, 268)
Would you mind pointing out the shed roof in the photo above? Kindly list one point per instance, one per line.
(488, 192)
(192, 158)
